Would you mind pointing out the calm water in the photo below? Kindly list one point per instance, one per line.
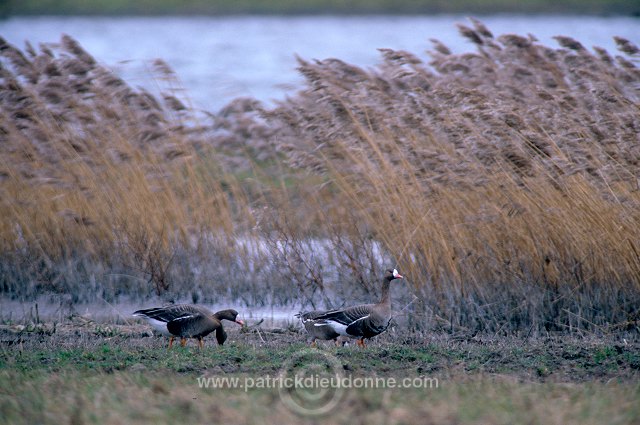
(218, 59)
(54, 308)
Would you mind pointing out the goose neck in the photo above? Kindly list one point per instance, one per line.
(386, 298)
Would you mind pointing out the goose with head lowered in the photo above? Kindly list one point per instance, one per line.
(360, 321)
(188, 321)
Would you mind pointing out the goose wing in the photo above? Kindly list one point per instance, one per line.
(346, 316)
(357, 321)
(318, 328)
(368, 326)
(311, 315)
(170, 313)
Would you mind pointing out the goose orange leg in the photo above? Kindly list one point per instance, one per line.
(200, 343)
(183, 342)
(361, 343)
(314, 344)
(171, 341)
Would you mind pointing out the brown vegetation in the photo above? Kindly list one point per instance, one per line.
(503, 183)
(96, 172)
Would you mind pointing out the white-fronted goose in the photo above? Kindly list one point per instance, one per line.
(317, 332)
(188, 321)
(360, 321)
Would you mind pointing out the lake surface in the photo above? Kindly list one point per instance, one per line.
(53, 308)
(220, 58)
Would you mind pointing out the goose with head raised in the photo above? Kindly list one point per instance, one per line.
(360, 321)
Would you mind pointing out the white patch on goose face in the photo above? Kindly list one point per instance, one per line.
(159, 325)
(395, 273)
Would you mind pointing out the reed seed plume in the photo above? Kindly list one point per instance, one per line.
(504, 183)
(94, 171)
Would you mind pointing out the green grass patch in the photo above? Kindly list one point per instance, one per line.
(141, 381)
(75, 396)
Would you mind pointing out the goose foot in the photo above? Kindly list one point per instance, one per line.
(183, 342)
(314, 344)
(171, 342)
(200, 343)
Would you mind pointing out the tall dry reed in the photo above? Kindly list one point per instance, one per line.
(503, 183)
(104, 187)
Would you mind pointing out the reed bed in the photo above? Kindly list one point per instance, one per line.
(106, 189)
(503, 183)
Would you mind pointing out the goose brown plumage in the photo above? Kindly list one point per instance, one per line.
(188, 321)
(326, 333)
(360, 321)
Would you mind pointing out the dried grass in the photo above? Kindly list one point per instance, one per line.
(95, 171)
(502, 182)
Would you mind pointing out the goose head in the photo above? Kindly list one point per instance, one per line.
(230, 315)
(391, 274)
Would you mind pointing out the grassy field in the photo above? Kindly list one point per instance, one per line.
(84, 372)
